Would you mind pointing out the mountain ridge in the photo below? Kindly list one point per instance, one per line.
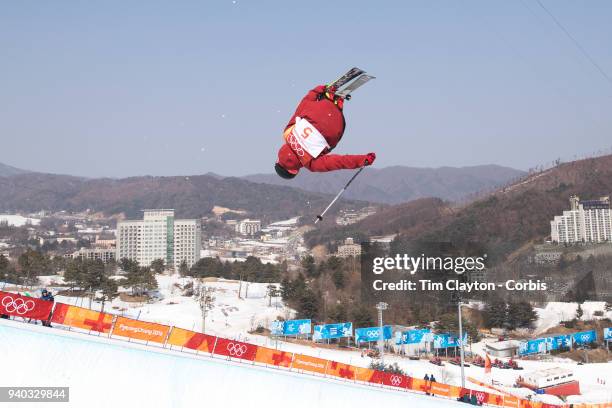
(397, 184)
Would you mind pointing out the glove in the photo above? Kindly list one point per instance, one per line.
(370, 157)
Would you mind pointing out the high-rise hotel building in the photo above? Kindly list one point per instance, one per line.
(159, 236)
(586, 221)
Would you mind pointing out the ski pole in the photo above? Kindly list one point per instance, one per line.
(320, 216)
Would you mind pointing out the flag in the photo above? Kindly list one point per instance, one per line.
(487, 366)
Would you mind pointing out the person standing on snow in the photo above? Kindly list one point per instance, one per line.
(312, 133)
(48, 296)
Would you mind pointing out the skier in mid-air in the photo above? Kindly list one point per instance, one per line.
(313, 132)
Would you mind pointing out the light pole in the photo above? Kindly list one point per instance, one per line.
(206, 300)
(461, 342)
(380, 306)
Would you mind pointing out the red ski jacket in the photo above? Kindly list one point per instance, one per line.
(326, 116)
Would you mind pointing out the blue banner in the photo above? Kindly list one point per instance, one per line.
(607, 333)
(446, 340)
(585, 337)
(333, 331)
(372, 334)
(277, 327)
(557, 342)
(296, 327)
(532, 347)
(416, 336)
(290, 327)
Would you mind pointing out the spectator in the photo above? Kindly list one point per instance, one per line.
(46, 295)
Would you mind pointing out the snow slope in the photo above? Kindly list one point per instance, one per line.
(234, 317)
(104, 372)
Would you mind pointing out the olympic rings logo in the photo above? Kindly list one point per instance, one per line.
(396, 380)
(373, 333)
(585, 337)
(480, 396)
(236, 350)
(17, 305)
(295, 146)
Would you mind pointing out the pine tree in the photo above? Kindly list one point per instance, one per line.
(362, 316)
(309, 266)
(308, 307)
(496, 313)
(183, 268)
(338, 278)
(338, 313)
(158, 265)
(579, 312)
(7, 271)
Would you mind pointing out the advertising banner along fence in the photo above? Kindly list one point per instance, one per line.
(585, 337)
(607, 333)
(273, 357)
(372, 334)
(137, 329)
(532, 347)
(558, 342)
(291, 327)
(191, 340)
(235, 349)
(82, 318)
(333, 331)
(13, 304)
(446, 340)
(415, 336)
(308, 363)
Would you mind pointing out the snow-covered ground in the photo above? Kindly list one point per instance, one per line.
(104, 372)
(235, 317)
(18, 220)
(555, 312)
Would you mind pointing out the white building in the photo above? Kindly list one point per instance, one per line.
(103, 254)
(349, 249)
(159, 236)
(248, 227)
(586, 221)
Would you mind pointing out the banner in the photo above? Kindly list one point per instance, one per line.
(446, 340)
(532, 347)
(13, 304)
(415, 336)
(191, 340)
(511, 401)
(273, 357)
(136, 329)
(585, 337)
(235, 349)
(296, 327)
(82, 318)
(395, 380)
(340, 370)
(368, 375)
(437, 388)
(333, 331)
(372, 334)
(276, 328)
(557, 342)
(308, 363)
(607, 333)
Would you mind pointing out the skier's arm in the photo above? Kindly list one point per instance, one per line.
(330, 162)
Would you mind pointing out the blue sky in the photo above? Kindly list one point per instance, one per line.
(166, 88)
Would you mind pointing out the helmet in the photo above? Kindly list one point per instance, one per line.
(282, 172)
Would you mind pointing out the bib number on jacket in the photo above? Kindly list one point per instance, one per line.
(309, 138)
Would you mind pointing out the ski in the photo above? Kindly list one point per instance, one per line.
(345, 91)
(349, 76)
